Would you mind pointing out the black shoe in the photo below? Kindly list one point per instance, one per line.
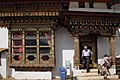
(88, 71)
(105, 78)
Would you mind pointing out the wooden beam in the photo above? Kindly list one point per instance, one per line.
(95, 14)
(51, 1)
(81, 5)
(109, 4)
(31, 1)
(91, 3)
(101, 1)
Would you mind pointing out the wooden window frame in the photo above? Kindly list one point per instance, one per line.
(41, 60)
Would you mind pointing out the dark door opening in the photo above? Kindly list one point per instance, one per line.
(91, 42)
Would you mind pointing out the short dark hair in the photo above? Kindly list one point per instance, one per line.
(106, 55)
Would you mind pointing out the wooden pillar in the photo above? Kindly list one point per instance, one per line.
(23, 46)
(112, 47)
(9, 47)
(77, 52)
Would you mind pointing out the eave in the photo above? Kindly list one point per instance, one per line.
(29, 1)
(3, 49)
(95, 14)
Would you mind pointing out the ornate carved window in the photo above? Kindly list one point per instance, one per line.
(31, 47)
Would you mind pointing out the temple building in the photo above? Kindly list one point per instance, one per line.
(37, 37)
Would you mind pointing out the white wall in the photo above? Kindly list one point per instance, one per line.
(31, 75)
(96, 5)
(3, 38)
(5, 71)
(63, 41)
(73, 5)
(116, 6)
(102, 46)
(100, 5)
(3, 65)
(117, 44)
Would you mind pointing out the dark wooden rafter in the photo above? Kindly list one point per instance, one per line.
(83, 23)
(63, 3)
(91, 3)
(31, 12)
(32, 1)
(81, 5)
(98, 1)
(99, 14)
(30, 20)
(101, 1)
(37, 11)
(10, 21)
(109, 4)
(17, 7)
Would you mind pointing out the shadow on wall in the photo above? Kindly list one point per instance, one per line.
(63, 41)
(1, 76)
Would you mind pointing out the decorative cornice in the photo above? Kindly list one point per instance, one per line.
(42, 13)
(101, 26)
(34, 7)
(94, 23)
(30, 20)
(93, 14)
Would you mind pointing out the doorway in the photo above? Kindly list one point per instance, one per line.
(91, 42)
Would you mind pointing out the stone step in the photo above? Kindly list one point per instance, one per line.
(93, 75)
(97, 77)
(83, 72)
(88, 74)
(91, 71)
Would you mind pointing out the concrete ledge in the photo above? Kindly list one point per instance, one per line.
(32, 75)
(95, 10)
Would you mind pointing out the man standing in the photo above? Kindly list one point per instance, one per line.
(86, 56)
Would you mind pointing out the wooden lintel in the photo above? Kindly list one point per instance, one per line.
(31, 68)
(31, 1)
(94, 14)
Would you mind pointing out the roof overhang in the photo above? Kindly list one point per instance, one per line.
(3, 49)
(95, 10)
(32, 1)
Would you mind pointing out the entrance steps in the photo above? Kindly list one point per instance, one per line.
(93, 75)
